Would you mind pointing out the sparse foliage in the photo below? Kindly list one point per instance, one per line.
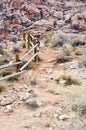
(78, 42)
(70, 80)
(67, 49)
(78, 51)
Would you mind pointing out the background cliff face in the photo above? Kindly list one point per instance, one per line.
(39, 16)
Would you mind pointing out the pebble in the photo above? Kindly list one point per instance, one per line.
(8, 108)
(55, 115)
(34, 103)
(37, 115)
(23, 96)
(33, 81)
(63, 117)
(50, 128)
(49, 71)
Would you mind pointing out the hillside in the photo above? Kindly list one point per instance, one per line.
(51, 93)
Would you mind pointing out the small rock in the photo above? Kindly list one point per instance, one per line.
(74, 65)
(33, 81)
(8, 108)
(47, 125)
(50, 128)
(48, 71)
(62, 82)
(55, 115)
(37, 115)
(6, 101)
(33, 104)
(63, 117)
(23, 96)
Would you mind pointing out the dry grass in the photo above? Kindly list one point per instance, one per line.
(21, 43)
(4, 59)
(3, 85)
(70, 80)
(56, 40)
(16, 48)
(68, 49)
(77, 97)
(62, 59)
(78, 51)
(68, 77)
(7, 71)
(78, 42)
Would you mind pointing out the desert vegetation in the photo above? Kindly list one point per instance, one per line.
(50, 94)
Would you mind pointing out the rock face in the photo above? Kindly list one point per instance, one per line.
(40, 16)
(78, 22)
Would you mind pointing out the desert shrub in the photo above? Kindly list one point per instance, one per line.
(21, 43)
(2, 45)
(78, 51)
(82, 63)
(32, 104)
(4, 59)
(80, 108)
(46, 36)
(68, 76)
(3, 52)
(67, 49)
(6, 71)
(63, 36)
(62, 59)
(12, 79)
(3, 85)
(16, 48)
(57, 40)
(78, 42)
(70, 80)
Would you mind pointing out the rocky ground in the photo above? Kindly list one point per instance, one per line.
(50, 94)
